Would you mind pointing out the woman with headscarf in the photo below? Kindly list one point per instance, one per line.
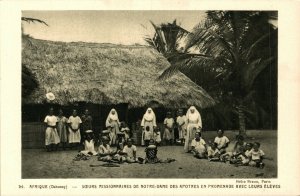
(149, 120)
(112, 124)
(193, 123)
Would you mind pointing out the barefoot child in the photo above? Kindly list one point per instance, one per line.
(130, 151)
(74, 122)
(104, 151)
(256, 156)
(213, 152)
(147, 135)
(222, 141)
(89, 144)
(198, 146)
(157, 136)
(169, 129)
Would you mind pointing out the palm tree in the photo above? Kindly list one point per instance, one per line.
(240, 45)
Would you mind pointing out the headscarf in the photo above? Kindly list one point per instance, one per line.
(112, 117)
(194, 116)
(149, 117)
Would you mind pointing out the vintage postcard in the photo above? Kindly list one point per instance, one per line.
(159, 97)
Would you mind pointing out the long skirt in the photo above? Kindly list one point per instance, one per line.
(74, 137)
(182, 132)
(51, 136)
(190, 135)
(151, 129)
(168, 134)
(62, 132)
(113, 130)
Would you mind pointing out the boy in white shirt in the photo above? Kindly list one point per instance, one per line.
(256, 156)
(222, 141)
(213, 152)
(198, 146)
(130, 151)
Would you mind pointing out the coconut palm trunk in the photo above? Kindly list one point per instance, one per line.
(242, 120)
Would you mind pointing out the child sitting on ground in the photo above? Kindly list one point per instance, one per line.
(256, 156)
(198, 146)
(104, 151)
(213, 153)
(147, 136)
(239, 147)
(151, 155)
(120, 155)
(130, 151)
(89, 144)
(222, 141)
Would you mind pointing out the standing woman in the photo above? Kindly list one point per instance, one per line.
(112, 124)
(149, 120)
(51, 136)
(74, 129)
(87, 124)
(62, 128)
(193, 122)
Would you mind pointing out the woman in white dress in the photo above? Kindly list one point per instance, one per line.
(62, 128)
(149, 120)
(113, 125)
(74, 122)
(194, 123)
(51, 135)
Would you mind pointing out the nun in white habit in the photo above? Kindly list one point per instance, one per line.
(112, 124)
(149, 120)
(194, 124)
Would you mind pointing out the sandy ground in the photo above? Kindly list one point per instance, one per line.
(36, 163)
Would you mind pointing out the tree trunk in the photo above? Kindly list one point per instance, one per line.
(242, 120)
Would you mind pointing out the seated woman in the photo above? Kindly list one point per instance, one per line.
(198, 146)
(104, 151)
(89, 144)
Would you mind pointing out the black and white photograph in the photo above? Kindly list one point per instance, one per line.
(149, 94)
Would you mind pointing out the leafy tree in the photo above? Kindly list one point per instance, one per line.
(235, 48)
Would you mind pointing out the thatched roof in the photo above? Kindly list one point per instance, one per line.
(106, 74)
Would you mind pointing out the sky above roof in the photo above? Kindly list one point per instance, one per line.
(118, 27)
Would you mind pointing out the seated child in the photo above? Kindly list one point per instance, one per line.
(130, 151)
(89, 144)
(256, 156)
(222, 141)
(147, 135)
(213, 152)
(151, 153)
(239, 147)
(120, 156)
(198, 146)
(157, 136)
(104, 151)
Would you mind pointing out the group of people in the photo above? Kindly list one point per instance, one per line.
(78, 130)
(243, 153)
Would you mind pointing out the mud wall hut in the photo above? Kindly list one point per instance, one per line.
(100, 76)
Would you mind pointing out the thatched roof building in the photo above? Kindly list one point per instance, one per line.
(106, 74)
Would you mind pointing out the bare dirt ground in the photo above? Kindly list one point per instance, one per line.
(37, 163)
